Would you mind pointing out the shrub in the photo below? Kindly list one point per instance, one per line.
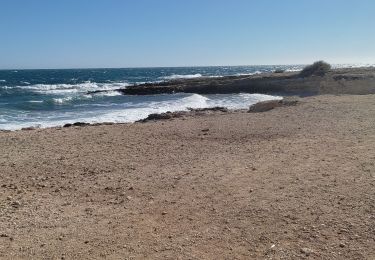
(319, 68)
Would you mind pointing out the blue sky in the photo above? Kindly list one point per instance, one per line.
(143, 33)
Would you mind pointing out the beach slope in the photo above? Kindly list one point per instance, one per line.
(293, 182)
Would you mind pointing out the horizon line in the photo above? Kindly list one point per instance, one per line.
(186, 66)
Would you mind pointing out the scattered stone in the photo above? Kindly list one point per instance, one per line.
(306, 251)
(342, 245)
(4, 235)
(16, 204)
(205, 130)
(164, 213)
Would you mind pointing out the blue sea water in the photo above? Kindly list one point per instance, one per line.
(46, 98)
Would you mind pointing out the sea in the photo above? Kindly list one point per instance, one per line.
(50, 97)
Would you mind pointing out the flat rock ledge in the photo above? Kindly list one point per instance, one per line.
(268, 105)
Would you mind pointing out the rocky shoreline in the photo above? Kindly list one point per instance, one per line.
(355, 81)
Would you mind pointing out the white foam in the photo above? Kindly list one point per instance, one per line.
(294, 69)
(176, 76)
(61, 101)
(353, 65)
(132, 110)
(73, 88)
(3, 80)
(108, 94)
(249, 74)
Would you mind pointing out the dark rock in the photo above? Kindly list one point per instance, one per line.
(28, 128)
(162, 116)
(77, 124)
(215, 109)
(80, 124)
(317, 79)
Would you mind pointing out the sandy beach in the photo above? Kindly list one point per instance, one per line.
(294, 182)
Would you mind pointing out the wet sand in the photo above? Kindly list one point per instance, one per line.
(294, 182)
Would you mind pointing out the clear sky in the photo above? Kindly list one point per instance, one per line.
(145, 33)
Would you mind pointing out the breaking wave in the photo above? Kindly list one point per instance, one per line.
(190, 76)
(130, 109)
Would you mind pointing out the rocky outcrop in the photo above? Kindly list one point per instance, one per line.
(339, 81)
(265, 106)
(178, 114)
(271, 104)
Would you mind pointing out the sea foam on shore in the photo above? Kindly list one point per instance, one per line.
(124, 109)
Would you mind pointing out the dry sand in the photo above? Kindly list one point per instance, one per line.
(295, 182)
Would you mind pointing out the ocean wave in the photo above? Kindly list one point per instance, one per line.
(73, 88)
(110, 93)
(130, 110)
(354, 65)
(249, 74)
(176, 76)
(3, 80)
(60, 101)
